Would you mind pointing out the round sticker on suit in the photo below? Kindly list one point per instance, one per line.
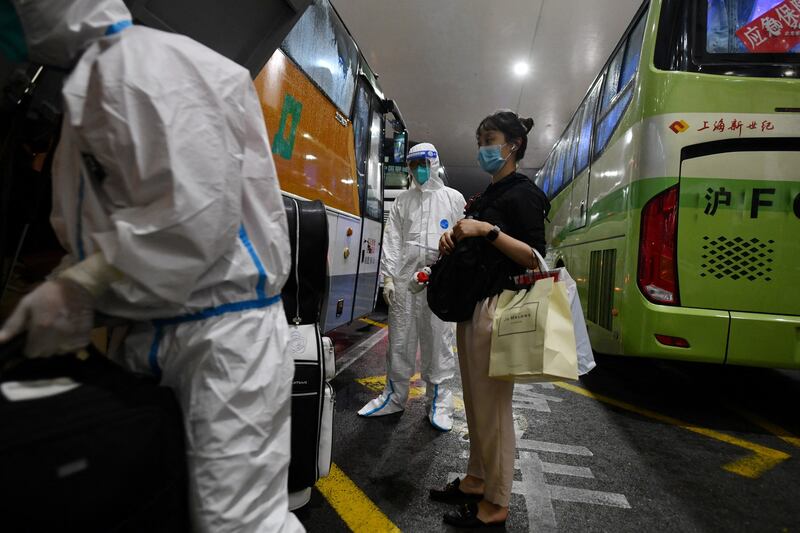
(444, 223)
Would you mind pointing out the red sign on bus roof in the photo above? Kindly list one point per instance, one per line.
(776, 31)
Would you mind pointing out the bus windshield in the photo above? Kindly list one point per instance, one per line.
(751, 30)
(396, 177)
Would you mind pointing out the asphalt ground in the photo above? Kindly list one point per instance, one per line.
(636, 445)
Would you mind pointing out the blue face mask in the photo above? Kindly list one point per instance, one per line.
(12, 37)
(422, 174)
(491, 158)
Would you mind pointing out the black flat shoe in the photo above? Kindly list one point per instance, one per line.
(453, 495)
(467, 517)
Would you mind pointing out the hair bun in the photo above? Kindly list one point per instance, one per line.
(527, 123)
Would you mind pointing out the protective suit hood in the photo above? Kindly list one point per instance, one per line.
(429, 152)
(58, 31)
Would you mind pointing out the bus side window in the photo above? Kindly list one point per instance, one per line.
(361, 137)
(569, 159)
(617, 90)
(547, 173)
(611, 85)
(322, 48)
(587, 126)
(558, 172)
(374, 202)
(633, 53)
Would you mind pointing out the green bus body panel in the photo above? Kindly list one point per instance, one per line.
(734, 262)
(764, 340)
(687, 92)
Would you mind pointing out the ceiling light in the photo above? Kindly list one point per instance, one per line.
(521, 68)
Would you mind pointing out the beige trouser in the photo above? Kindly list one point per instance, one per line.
(490, 420)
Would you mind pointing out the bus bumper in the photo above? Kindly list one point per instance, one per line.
(757, 339)
(714, 336)
(706, 331)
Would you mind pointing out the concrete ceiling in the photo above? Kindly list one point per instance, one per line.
(448, 64)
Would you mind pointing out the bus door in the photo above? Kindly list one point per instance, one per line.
(368, 129)
(583, 126)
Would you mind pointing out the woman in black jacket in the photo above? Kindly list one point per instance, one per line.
(509, 216)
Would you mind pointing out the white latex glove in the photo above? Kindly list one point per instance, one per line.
(58, 316)
(388, 290)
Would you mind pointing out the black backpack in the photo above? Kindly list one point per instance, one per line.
(459, 280)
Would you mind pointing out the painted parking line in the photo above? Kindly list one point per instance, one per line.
(352, 505)
(373, 322)
(775, 429)
(752, 466)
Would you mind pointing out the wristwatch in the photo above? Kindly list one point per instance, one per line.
(493, 233)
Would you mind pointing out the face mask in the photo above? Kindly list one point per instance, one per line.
(491, 158)
(422, 174)
(12, 37)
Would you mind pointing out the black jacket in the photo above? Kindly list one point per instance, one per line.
(519, 208)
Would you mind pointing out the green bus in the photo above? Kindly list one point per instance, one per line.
(675, 189)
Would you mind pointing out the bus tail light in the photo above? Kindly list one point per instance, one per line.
(669, 340)
(658, 268)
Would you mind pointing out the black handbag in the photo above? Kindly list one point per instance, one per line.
(459, 281)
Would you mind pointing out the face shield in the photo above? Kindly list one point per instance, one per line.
(421, 164)
(420, 170)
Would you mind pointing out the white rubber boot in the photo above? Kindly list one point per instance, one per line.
(391, 400)
(441, 410)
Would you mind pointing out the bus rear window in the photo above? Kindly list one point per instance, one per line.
(749, 27)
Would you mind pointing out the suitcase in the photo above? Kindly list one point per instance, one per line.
(86, 446)
(312, 394)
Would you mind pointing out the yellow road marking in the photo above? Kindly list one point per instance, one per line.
(353, 506)
(378, 383)
(772, 428)
(752, 466)
(374, 322)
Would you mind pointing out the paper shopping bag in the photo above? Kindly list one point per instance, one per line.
(533, 338)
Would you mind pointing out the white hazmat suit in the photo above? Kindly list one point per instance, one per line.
(417, 220)
(164, 176)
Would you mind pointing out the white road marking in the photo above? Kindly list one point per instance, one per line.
(526, 398)
(541, 446)
(567, 470)
(357, 351)
(596, 497)
(552, 468)
(531, 386)
(535, 405)
(539, 495)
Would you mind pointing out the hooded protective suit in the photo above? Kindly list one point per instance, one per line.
(417, 220)
(164, 176)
